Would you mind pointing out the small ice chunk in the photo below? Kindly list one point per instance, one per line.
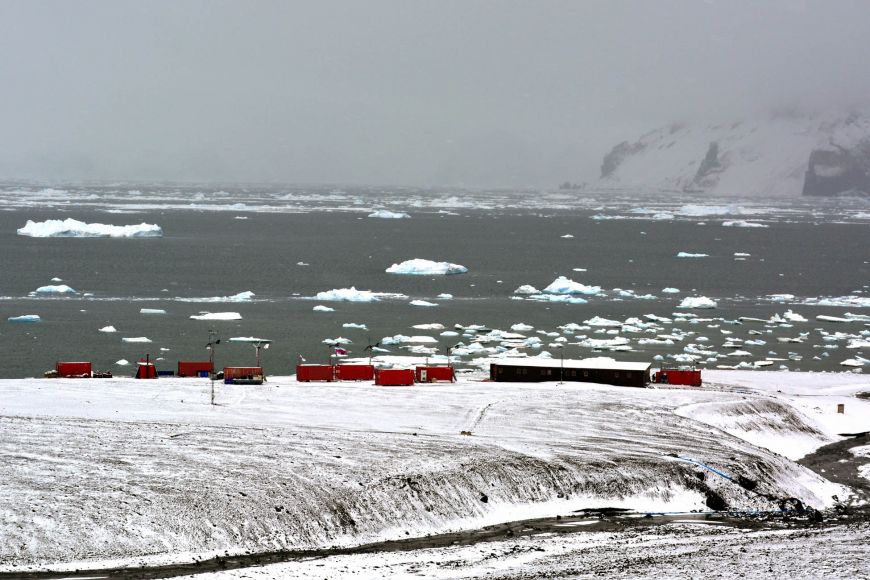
(108, 329)
(56, 279)
(743, 224)
(55, 289)
(563, 285)
(151, 311)
(522, 327)
(697, 302)
(567, 236)
(122, 362)
(136, 339)
(670, 290)
(527, 289)
(217, 316)
(387, 214)
(421, 267)
(430, 326)
(353, 295)
(691, 255)
(25, 318)
(422, 303)
(445, 296)
(351, 324)
(322, 308)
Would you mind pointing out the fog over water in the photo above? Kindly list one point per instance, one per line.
(389, 92)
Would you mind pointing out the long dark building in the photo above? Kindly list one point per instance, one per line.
(592, 370)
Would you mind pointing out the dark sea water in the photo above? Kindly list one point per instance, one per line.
(505, 240)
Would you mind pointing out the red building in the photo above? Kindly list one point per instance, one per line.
(394, 377)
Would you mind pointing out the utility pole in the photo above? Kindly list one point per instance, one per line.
(213, 341)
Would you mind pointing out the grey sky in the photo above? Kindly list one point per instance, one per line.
(404, 92)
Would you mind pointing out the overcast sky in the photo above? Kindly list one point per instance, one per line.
(399, 92)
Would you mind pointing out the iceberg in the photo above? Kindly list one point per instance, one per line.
(743, 224)
(387, 214)
(563, 285)
(353, 295)
(420, 267)
(697, 302)
(70, 228)
(217, 316)
(54, 289)
(246, 296)
(25, 318)
(690, 255)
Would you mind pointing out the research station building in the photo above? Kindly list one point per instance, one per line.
(591, 370)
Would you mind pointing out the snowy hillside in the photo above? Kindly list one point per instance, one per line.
(121, 469)
(762, 156)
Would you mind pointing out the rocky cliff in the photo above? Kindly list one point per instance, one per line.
(784, 154)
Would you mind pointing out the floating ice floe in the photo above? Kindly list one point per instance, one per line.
(387, 214)
(691, 255)
(522, 327)
(108, 329)
(670, 290)
(697, 302)
(70, 228)
(430, 326)
(252, 339)
(353, 295)
(603, 322)
(694, 210)
(151, 311)
(351, 324)
(54, 289)
(122, 362)
(826, 318)
(844, 301)
(445, 296)
(216, 316)
(246, 296)
(780, 297)
(743, 224)
(564, 298)
(563, 285)
(567, 236)
(742, 255)
(136, 339)
(527, 289)
(401, 338)
(421, 267)
(339, 340)
(422, 303)
(322, 308)
(56, 279)
(855, 362)
(25, 318)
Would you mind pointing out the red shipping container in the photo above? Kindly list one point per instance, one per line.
(194, 368)
(241, 372)
(434, 374)
(73, 369)
(394, 377)
(306, 373)
(677, 377)
(356, 372)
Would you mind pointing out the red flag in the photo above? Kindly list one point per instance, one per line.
(339, 350)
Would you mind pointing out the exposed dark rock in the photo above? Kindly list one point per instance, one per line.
(838, 171)
(617, 155)
(709, 166)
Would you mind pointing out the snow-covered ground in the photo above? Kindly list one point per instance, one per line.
(125, 470)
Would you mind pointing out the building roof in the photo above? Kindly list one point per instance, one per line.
(598, 363)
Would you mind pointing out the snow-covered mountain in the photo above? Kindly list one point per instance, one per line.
(780, 154)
